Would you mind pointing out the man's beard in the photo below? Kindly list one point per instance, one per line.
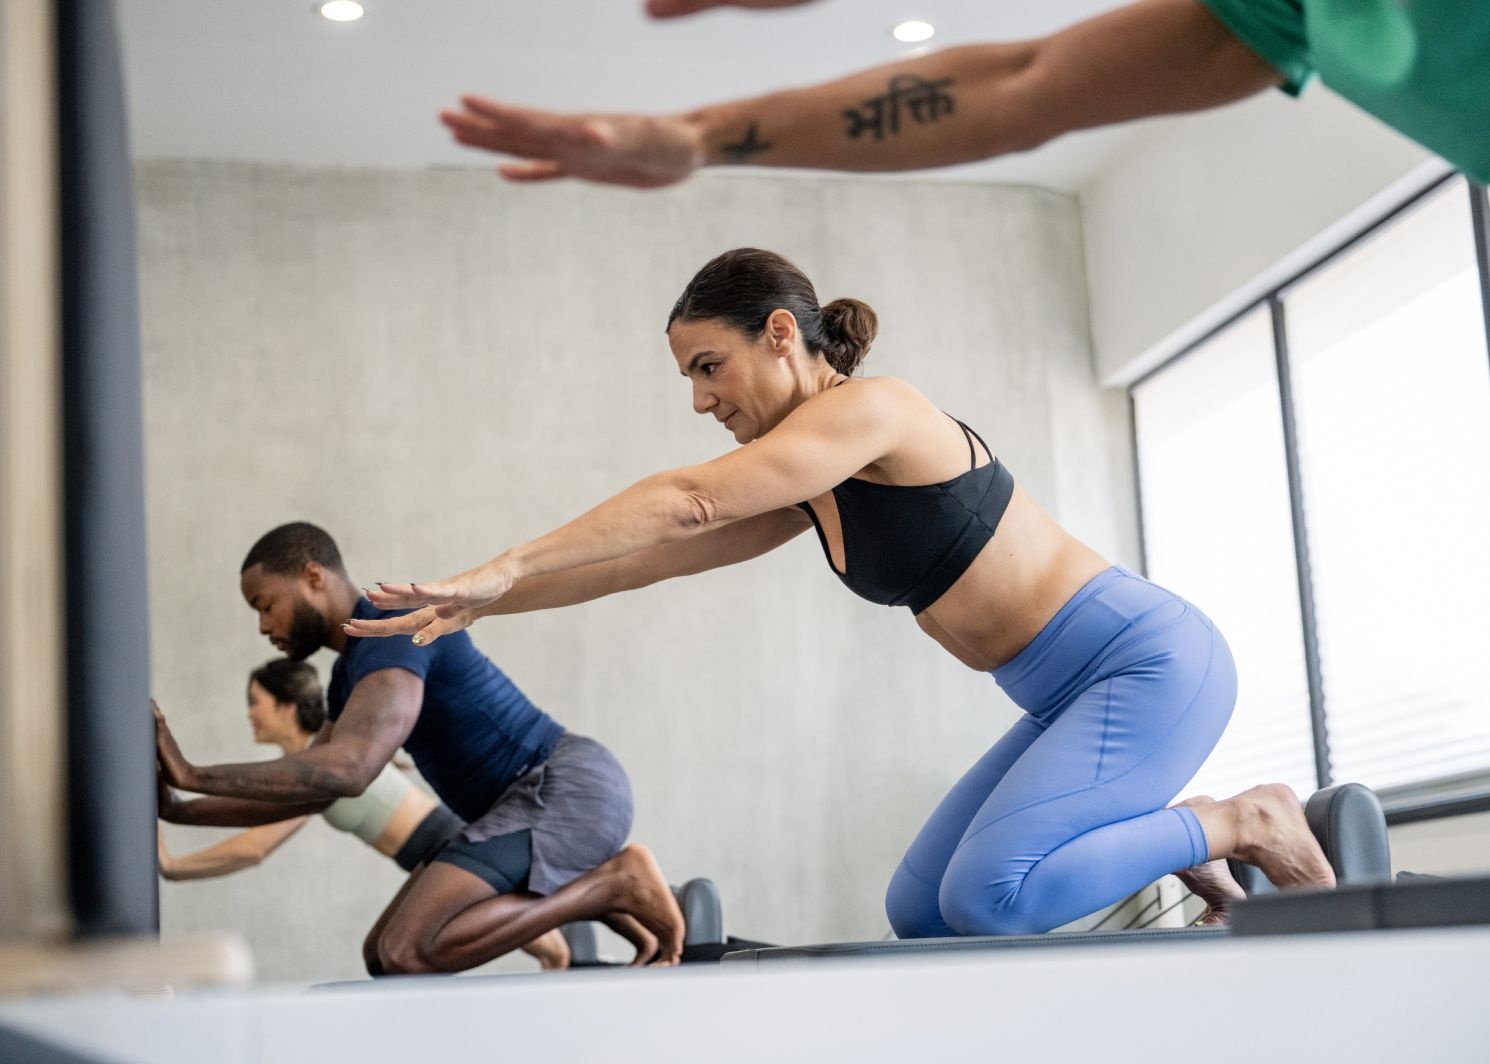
(308, 632)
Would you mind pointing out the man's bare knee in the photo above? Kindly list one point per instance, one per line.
(371, 959)
(403, 955)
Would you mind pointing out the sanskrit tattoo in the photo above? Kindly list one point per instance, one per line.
(747, 146)
(925, 101)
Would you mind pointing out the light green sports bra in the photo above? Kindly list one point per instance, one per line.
(368, 814)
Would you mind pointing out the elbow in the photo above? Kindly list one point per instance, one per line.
(1036, 101)
(347, 785)
(345, 781)
(695, 510)
(679, 502)
(1036, 116)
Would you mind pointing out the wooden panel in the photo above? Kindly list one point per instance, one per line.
(33, 879)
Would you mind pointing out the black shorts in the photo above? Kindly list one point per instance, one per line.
(427, 840)
(553, 824)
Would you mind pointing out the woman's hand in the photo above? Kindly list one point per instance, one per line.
(424, 625)
(633, 150)
(175, 770)
(162, 854)
(448, 605)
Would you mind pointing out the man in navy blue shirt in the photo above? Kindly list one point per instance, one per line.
(547, 812)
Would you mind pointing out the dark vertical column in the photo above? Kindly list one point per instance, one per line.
(111, 753)
(1322, 770)
(1479, 209)
(1143, 546)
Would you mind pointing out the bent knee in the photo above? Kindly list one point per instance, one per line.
(401, 955)
(371, 959)
(911, 907)
(971, 905)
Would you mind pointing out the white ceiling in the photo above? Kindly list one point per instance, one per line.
(272, 81)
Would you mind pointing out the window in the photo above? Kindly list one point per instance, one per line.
(1314, 477)
(1210, 447)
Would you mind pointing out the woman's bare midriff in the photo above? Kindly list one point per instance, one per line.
(416, 805)
(1024, 575)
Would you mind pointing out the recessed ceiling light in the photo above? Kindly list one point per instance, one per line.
(913, 32)
(341, 10)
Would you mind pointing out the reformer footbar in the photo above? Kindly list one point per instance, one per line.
(704, 939)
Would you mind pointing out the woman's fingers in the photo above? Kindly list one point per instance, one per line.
(424, 625)
(407, 624)
(439, 626)
(457, 592)
(531, 172)
(393, 596)
(460, 590)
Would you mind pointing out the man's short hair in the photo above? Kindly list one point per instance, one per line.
(286, 549)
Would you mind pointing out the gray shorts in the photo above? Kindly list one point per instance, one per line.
(576, 808)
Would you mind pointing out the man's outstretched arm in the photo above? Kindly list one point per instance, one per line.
(379, 715)
(958, 105)
(232, 812)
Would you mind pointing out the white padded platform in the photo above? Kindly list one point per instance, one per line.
(1377, 996)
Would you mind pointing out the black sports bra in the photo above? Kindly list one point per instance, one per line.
(906, 545)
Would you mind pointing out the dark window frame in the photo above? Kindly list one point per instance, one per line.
(1404, 804)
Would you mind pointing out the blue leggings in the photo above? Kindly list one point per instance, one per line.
(1125, 693)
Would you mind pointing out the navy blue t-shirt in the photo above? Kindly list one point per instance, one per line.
(476, 732)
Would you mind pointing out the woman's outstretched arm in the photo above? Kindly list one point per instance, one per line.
(738, 542)
(243, 850)
(820, 444)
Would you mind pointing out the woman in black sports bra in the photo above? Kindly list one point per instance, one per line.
(1126, 687)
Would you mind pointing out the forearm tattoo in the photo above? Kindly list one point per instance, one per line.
(282, 779)
(925, 101)
(747, 146)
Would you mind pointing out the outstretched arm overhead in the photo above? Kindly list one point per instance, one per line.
(819, 445)
(958, 105)
(379, 715)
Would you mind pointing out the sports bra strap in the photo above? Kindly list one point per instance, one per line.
(971, 434)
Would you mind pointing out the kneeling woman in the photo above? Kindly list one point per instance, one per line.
(1126, 687)
(286, 707)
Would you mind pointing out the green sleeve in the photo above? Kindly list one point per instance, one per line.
(1274, 29)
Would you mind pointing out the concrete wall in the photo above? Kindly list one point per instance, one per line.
(1181, 228)
(434, 366)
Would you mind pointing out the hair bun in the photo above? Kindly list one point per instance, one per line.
(849, 327)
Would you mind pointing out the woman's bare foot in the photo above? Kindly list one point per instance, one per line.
(551, 949)
(1211, 882)
(641, 891)
(631, 929)
(1265, 826)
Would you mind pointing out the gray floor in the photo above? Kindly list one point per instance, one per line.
(1409, 995)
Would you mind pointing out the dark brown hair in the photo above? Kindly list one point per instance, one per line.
(742, 288)
(294, 683)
